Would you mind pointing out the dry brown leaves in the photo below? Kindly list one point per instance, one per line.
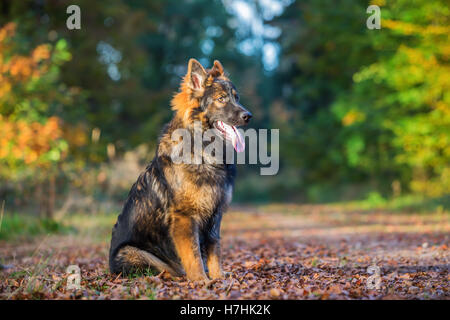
(304, 252)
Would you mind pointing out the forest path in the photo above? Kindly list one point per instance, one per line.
(271, 252)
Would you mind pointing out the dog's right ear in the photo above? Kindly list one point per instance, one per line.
(196, 76)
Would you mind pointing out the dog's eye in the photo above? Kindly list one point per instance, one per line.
(221, 99)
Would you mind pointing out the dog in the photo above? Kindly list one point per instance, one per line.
(171, 218)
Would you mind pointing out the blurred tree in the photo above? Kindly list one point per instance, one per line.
(129, 57)
(323, 45)
(126, 61)
(398, 111)
(31, 139)
(367, 104)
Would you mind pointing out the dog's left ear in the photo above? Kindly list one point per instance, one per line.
(217, 69)
(196, 75)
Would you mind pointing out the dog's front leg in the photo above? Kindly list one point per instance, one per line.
(212, 248)
(184, 232)
(213, 259)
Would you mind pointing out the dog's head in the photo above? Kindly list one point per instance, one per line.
(209, 96)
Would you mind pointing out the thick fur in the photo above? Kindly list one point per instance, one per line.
(171, 219)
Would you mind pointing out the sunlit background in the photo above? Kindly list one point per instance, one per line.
(364, 115)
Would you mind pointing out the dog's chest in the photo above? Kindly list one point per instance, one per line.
(201, 189)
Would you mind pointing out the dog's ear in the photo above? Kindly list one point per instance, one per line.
(217, 69)
(196, 75)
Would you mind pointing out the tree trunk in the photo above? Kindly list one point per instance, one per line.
(38, 199)
(51, 197)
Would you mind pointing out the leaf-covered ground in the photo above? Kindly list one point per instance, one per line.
(270, 252)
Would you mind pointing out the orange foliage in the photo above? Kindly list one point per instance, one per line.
(27, 141)
(410, 28)
(24, 141)
(18, 68)
(7, 31)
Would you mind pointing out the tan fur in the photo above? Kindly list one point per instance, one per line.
(213, 261)
(184, 101)
(184, 234)
(186, 192)
(141, 259)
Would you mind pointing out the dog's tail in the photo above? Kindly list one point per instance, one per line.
(129, 259)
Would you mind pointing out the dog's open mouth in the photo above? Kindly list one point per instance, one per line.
(231, 134)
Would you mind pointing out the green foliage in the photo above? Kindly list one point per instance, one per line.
(19, 226)
(370, 105)
(33, 100)
(403, 98)
(414, 203)
(375, 199)
(125, 64)
(359, 110)
(128, 59)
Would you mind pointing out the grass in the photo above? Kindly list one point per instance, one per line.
(148, 272)
(415, 203)
(98, 227)
(23, 226)
(15, 226)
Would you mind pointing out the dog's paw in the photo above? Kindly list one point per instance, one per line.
(221, 275)
(197, 277)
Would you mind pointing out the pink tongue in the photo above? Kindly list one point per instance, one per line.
(236, 137)
(238, 141)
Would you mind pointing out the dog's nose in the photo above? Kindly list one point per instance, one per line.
(246, 116)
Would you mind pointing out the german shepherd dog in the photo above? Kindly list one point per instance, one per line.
(171, 219)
